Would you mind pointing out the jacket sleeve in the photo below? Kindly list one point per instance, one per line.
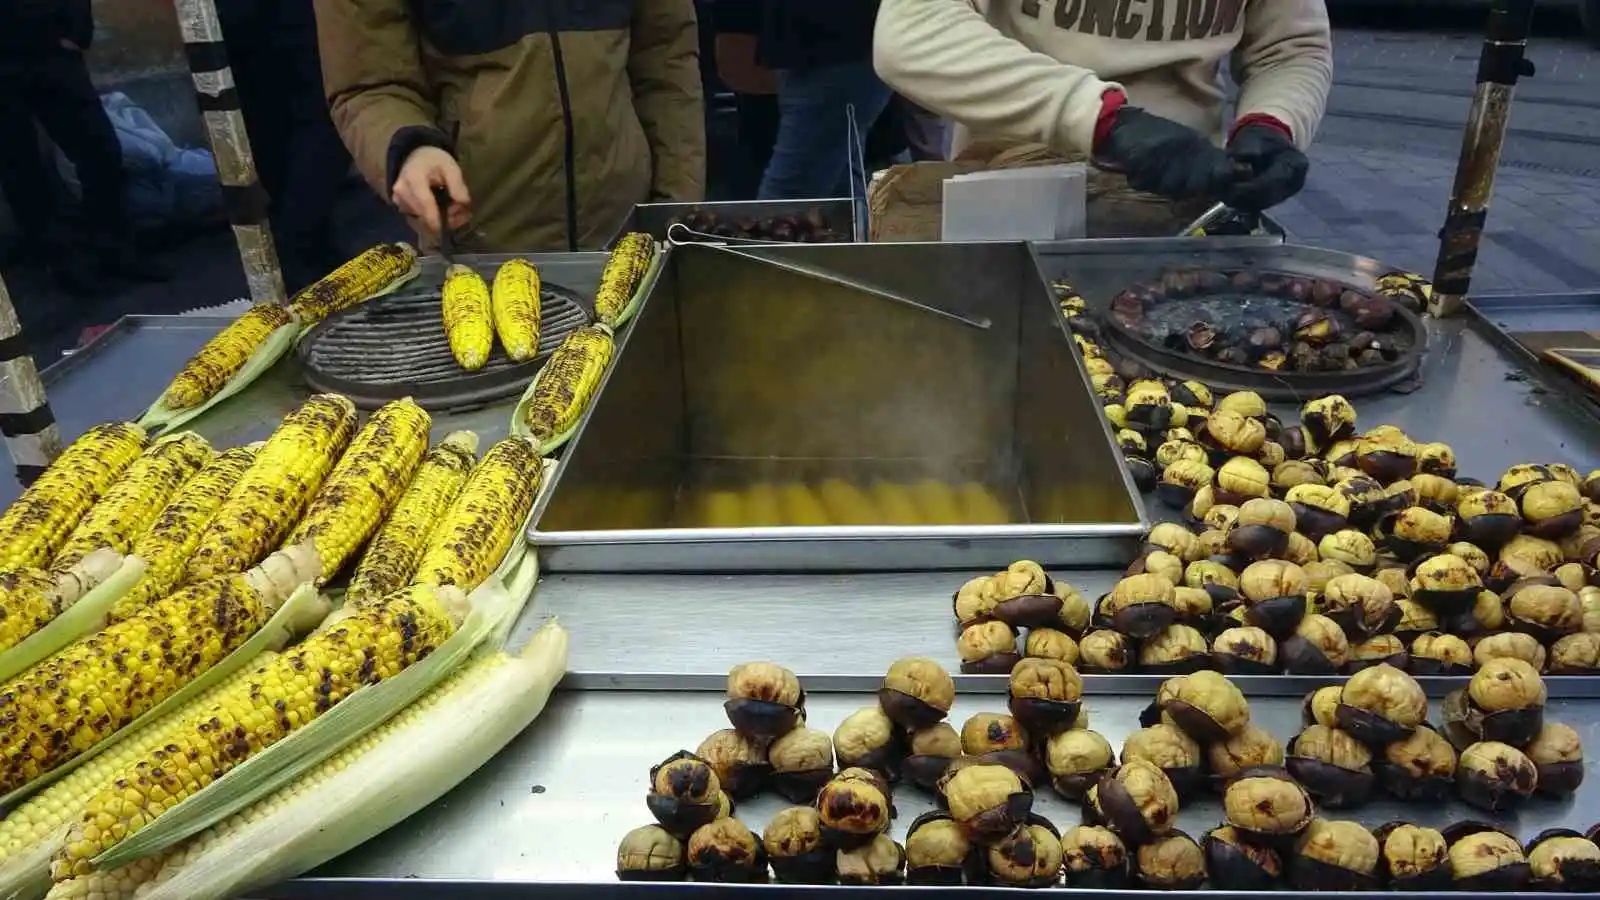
(377, 92)
(948, 58)
(664, 70)
(1284, 65)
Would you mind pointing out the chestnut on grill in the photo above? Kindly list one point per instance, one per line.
(1445, 584)
(1267, 806)
(1484, 858)
(1334, 766)
(650, 853)
(1180, 480)
(987, 648)
(1488, 518)
(974, 601)
(854, 807)
(1240, 479)
(1487, 615)
(726, 851)
(937, 851)
(1075, 760)
(1557, 755)
(1319, 509)
(1524, 556)
(1414, 532)
(1245, 651)
(1504, 701)
(1387, 454)
(1177, 755)
(1045, 694)
(1551, 509)
(1234, 863)
(1140, 606)
(1262, 528)
(740, 762)
(765, 700)
(1381, 705)
(1413, 858)
(932, 749)
(1149, 405)
(1335, 856)
(987, 800)
(869, 739)
(684, 793)
(1359, 605)
(1158, 562)
(1561, 859)
(802, 762)
(1094, 857)
(880, 862)
(1421, 766)
(1415, 619)
(1274, 595)
(1351, 547)
(1495, 776)
(1028, 857)
(1229, 433)
(1173, 862)
(1205, 705)
(1328, 419)
(795, 847)
(917, 692)
(1136, 800)
(1318, 646)
(1000, 739)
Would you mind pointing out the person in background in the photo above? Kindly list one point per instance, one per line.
(737, 26)
(822, 53)
(44, 78)
(1134, 88)
(545, 122)
(272, 50)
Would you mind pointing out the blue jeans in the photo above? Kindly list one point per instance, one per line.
(812, 156)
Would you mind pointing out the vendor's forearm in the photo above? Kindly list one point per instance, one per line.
(1285, 65)
(943, 55)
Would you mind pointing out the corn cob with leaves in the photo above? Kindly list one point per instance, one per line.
(515, 303)
(368, 787)
(465, 307)
(483, 522)
(172, 538)
(223, 356)
(391, 558)
(133, 501)
(620, 279)
(304, 682)
(275, 491)
(30, 599)
(563, 388)
(364, 486)
(37, 525)
(372, 272)
(88, 691)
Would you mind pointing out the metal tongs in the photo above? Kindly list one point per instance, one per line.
(679, 234)
(1220, 214)
(447, 241)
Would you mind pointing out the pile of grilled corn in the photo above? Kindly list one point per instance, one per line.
(179, 683)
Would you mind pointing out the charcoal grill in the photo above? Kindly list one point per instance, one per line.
(394, 346)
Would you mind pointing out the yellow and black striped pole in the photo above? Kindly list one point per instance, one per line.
(245, 199)
(28, 425)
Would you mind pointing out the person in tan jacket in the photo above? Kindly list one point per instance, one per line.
(545, 121)
(1133, 86)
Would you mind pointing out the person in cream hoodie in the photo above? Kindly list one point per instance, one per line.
(1133, 86)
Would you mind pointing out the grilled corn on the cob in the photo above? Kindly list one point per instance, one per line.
(625, 268)
(465, 307)
(516, 306)
(483, 522)
(134, 500)
(273, 494)
(391, 559)
(166, 547)
(88, 691)
(563, 388)
(223, 356)
(37, 525)
(369, 273)
(364, 486)
(305, 681)
(30, 599)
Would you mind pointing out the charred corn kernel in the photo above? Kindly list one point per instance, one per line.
(305, 681)
(563, 388)
(167, 545)
(465, 307)
(30, 599)
(391, 559)
(624, 271)
(375, 269)
(365, 484)
(133, 501)
(37, 525)
(272, 495)
(483, 521)
(97, 686)
(42, 816)
(516, 305)
(223, 356)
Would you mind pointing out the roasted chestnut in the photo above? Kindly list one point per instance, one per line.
(650, 853)
(1177, 754)
(740, 762)
(937, 851)
(1044, 694)
(1216, 579)
(974, 601)
(1246, 651)
(1074, 615)
(1486, 615)
(1294, 472)
(1262, 528)
(1335, 856)
(726, 851)
(1158, 562)
(880, 861)
(1319, 573)
(1564, 860)
(1267, 805)
(1180, 480)
(1075, 760)
(1149, 405)
(1413, 858)
(1328, 419)
(1359, 605)
(1445, 584)
(931, 751)
(1484, 858)
(1025, 597)
(1509, 645)
(1239, 865)
(795, 847)
(802, 762)
(1318, 646)
(916, 692)
(1414, 532)
(1545, 611)
(1505, 701)
(1028, 857)
(1094, 857)
(1104, 652)
(1495, 776)
(1524, 556)
(1557, 755)
(1140, 606)
(1319, 509)
(1252, 748)
(987, 800)
(1387, 454)
(1433, 653)
(684, 793)
(854, 807)
(987, 648)
(1204, 705)
(1576, 654)
(1000, 739)
(1241, 479)
(1274, 595)
(1048, 643)
(1136, 800)
(1351, 547)
(868, 739)
(1551, 509)
(1381, 705)
(1334, 766)
(1176, 648)
(1488, 518)
(1173, 862)
(1421, 766)
(1229, 433)
(1321, 707)
(1380, 649)
(765, 700)
(1300, 550)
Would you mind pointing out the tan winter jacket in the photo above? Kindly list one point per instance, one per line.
(1035, 70)
(562, 113)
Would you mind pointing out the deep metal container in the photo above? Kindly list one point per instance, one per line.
(740, 379)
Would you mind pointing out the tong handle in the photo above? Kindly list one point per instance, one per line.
(447, 244)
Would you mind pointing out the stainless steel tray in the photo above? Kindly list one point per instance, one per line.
(742, 379)
(546, 813)
(653, 218)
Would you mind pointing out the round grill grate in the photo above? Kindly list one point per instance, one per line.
(393, 347)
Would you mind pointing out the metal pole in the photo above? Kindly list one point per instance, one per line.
(32, 437)
(243, 195)
(1502, 61)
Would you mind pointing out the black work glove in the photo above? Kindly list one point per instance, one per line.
(1277, 168)
(1160, 156)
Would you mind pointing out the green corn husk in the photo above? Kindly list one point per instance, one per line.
(81, 618)
(162, 418)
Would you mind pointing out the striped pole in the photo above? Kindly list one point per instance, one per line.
(242, 194)
(29, 427)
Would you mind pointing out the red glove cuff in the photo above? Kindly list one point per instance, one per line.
(1259, 119)
(1110, 102)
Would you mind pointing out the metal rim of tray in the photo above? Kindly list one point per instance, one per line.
(561, 313)
(1282, 386)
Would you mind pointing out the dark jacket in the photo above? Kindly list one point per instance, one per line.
(798, 34)
(31, 27)
(562, 113)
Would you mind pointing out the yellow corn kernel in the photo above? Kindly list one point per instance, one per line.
(223, 356)
(516, 305)
(563, 388)
(369, 273)
(37, 525)
(273, 494)
(465, 307)
(391, 558)
(483, 522)
(620, 279)
(133, 501)
(30, 599)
